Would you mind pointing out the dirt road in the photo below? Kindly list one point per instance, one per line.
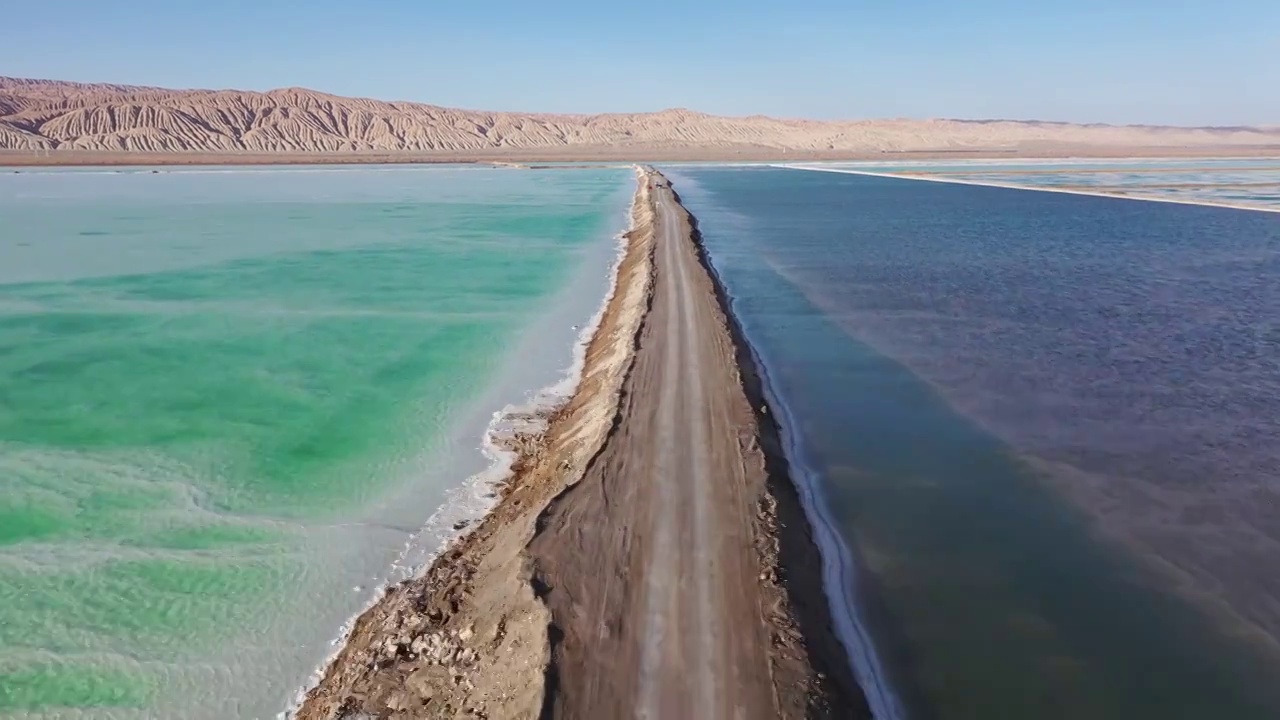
(650, 565)
(649, 559)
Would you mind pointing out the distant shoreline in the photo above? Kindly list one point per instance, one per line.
(11, 159)
(50, 122)
(925, 177)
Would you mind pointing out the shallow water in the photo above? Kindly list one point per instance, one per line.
(230, 401)
(1043, 421)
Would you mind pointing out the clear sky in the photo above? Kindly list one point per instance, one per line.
(1121, 61)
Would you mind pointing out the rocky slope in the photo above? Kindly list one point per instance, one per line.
(48, 114)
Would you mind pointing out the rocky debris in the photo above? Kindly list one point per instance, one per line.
(436, 665)
(437, 648)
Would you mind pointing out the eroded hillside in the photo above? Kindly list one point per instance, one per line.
(45, 114)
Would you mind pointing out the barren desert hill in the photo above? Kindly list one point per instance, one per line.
(50, 114)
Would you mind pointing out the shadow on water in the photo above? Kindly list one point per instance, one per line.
(991, 596)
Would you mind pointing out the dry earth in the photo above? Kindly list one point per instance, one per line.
(47, 115)
(661, 566)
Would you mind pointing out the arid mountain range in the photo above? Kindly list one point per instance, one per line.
(45, 114)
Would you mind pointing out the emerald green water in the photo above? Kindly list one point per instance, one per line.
(217, 390)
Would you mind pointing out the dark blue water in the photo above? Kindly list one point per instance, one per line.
(1047, 424)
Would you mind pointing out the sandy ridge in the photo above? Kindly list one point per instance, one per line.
(484, 633)
(47, 115)
(680, 573)
(469, 638)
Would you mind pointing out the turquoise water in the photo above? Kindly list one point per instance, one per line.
(218, 389)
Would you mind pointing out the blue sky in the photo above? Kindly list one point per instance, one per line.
(1120, 61)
